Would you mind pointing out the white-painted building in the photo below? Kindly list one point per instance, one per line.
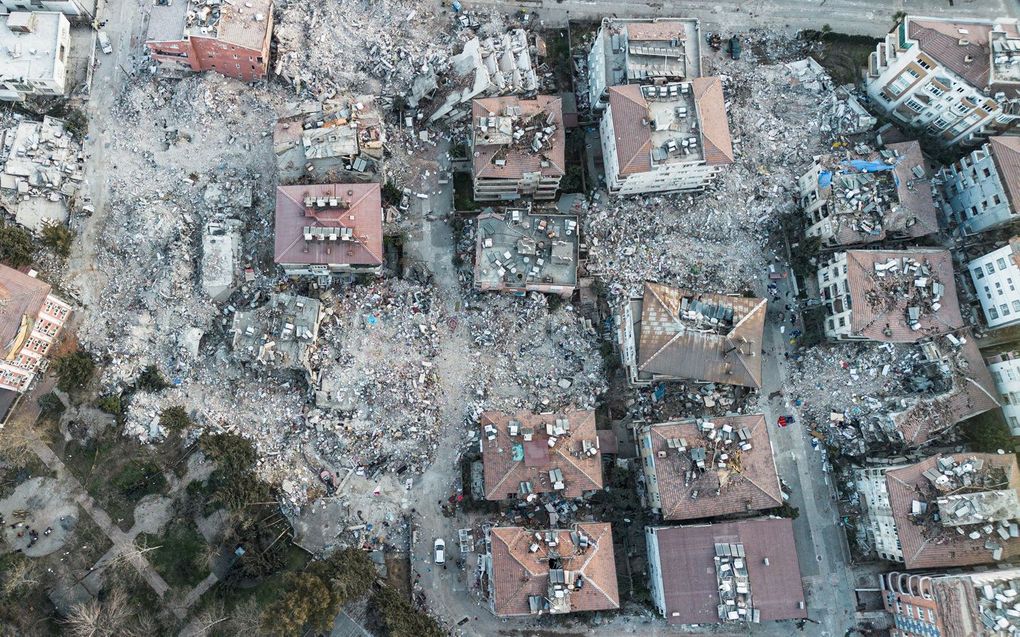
(954, 82)
(33, 54)
(996, 279)
(1005, 369)
(671, 137)
(981, 190)
(881, 525)
(70, 8)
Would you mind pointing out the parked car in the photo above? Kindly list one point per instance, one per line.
(104, 43)
(735, 48)
(440, 549)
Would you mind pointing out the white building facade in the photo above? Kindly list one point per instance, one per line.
(1005, 369)
(996, 279)
(881, 526)
(977, 190)
(70, 8)
(34, 48)
(835, 289)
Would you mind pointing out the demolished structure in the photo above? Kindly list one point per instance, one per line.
(221, 258)
(897, 296)
(886, 195)
(551, 572)
(702, 469)
(668, 137)
(279, 334)
(993, 276)
(525, 454)
(730, 572)
(952, 81)
(34, 48)
(642, 51)
(230, 38)
(328, 229)
(519, 251)
(958, 605)
(334, 142)
(42, 171)
(981, 190)
(674, 334)
(946, 511)
(518, 147)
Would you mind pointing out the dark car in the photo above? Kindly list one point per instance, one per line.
(735, 48)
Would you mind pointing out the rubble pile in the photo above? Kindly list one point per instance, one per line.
(374, 377)
(905, 282)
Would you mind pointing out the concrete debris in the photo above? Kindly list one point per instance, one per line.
(221, 258)
(280, 334)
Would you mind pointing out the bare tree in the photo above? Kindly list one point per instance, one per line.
(93, 618)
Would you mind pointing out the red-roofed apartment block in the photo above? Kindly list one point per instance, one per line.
(329, 228)
(207, 35)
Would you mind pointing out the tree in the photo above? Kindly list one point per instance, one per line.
(57, 237)
(15, 246)
(74, 370)
(399, 618)
(306, 602)
(50, 405)
(111, 404)
(350, 573)
(174, 419)
(151, 380)
(105, 618)
(391, 194)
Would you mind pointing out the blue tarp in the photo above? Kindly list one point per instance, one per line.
(824, 179)
(868, 166)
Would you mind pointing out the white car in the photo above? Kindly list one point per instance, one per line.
(104, 43)
(440, 547)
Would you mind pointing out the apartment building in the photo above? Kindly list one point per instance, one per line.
(208, 35)
(31, 319)
(518, 147)
(981, 191)
(33, 54)
(1005, 370)
(73, 9)
(996, 277)
(665, 138)
(957, 605)
(954, 82)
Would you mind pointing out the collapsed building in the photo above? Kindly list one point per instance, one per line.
(230, 38)
(946, 511)
(675, 334)
(518, 147)
(520, 251)
(897, 296)
(526, 454)
(550, 572)
(221, 258)
(981, 190)
(337, 141)
(667, 137)
(42, 171)
(642, 51)
(278, 335)
(740, 572)
(34, 48)
(708, 468)
(985, 603)
(850, 199)
(329, 229)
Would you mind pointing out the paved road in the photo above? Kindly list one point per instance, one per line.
(865, 17)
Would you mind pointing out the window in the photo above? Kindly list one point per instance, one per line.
(1009, 282)
(934, 90)
(990, 268)
(1016, 306)
(998, 376)
(1004, 309)
(987, 173)
(979, 273)
(913, 74)
(1001, 262)
(842, 321)
(993, 315)
(1013, 423)
(924, 65)
(897, 86)
(914, 105)
(995, 198)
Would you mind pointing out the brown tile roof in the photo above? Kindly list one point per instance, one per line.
(870, 319)
(932, 545)
(687, 567)
(535, 459)
(629, 111)
(1006, 155)
(517, 573)
(915, 194)
(958, 608)
(361, 210)
(715, 128)
(238, 25)
(656, 31)
(665, 348)
(941, 40)
(21, 298)
(973, 393)
(519, 162)
(750, 484)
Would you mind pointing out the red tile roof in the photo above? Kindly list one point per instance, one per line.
(521, 161)
(518, 573)
(941, 40)
(629, 111)
(359, 207)
(715, 128)
(931, 545)
(687, 569)
(1006, 155)
(509, 461)
(914, 194)
(749, 483)
(876, 309)
(21, 298)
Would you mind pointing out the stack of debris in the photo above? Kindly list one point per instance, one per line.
(735, 603)
(42, 171)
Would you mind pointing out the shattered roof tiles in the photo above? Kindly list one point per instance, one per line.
(521, 161)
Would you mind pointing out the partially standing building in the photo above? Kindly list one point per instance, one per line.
(231, 38)
(981, 190)
(518, 251)
(1005, 370)
(996, 276)
(663, 138)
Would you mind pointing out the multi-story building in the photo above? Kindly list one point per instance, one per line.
(897, 296)
(707, 468)
(886, 195)
(33, 54)
(735, 573)
(981, 191)
(996, 277)
(519, 147)
(642, 51)
(952, 81)
(960, 605)
(518, 251)
(329, 228)
(1005, 370)
(948, 510)
(31, 319)
(209, 35)
(669, 137)
(73, 9)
